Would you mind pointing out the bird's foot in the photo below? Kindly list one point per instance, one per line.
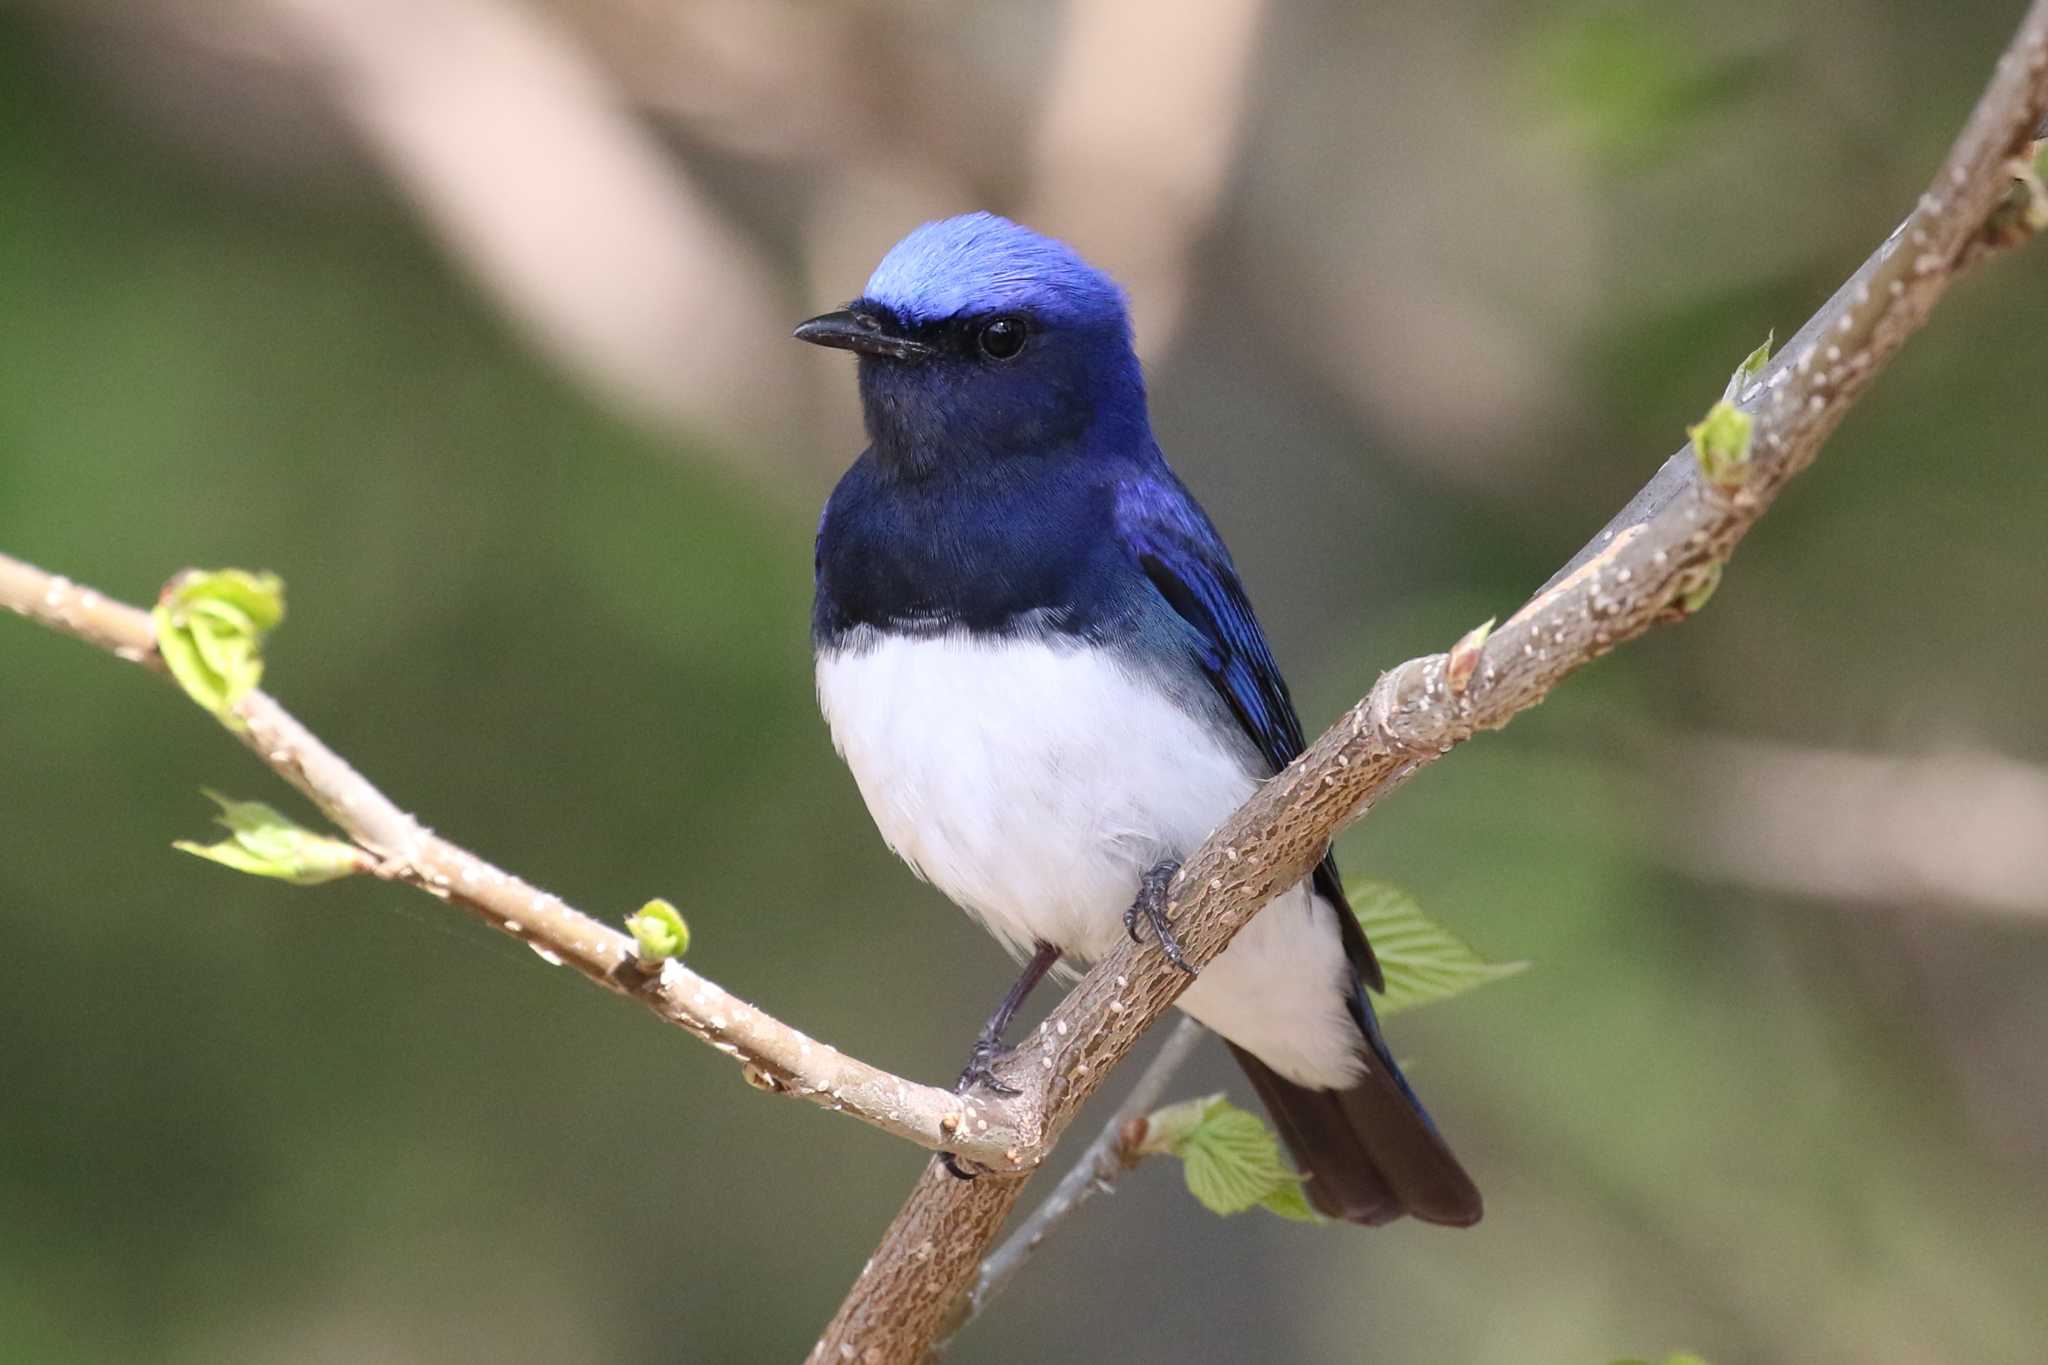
(980, 1069)
(979, 1073)
(1151, 903)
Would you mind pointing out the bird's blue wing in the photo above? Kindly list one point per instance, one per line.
(1174, 545)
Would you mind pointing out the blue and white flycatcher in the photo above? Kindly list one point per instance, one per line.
(1036, 656)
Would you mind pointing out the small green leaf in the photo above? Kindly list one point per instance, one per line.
(2024, 210)
(1721, 443)
(1291, 1202)
(1721, 439)
(1697, 596)
(1166, 1129)
(264, 843)
(1423, 961)
(1752, 365)
(659, 932)
(209, 629)
(1230, 1158)
(1463, 660)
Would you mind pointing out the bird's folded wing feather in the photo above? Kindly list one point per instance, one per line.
(1175, 546)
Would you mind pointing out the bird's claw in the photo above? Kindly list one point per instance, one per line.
(1151, 903)
(980, 1071)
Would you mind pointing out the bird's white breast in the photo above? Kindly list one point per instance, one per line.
(1034, 781)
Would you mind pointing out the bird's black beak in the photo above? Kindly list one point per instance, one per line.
(850, 329)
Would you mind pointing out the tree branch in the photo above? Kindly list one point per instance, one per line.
(1097, 1172)
(774, 1056)
(1641, 570)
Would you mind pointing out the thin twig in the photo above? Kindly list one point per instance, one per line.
(774, 1056)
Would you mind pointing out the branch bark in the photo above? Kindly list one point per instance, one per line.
(774, 1056)
(1103, 1164)
(1665, 546)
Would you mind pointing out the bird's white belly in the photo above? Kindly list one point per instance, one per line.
(1034, 783)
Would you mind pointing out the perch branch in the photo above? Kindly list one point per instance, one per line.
(774, 1056)
(1644, 568)
(1100, 1167)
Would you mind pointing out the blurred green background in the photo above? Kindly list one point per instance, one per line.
(469, 319)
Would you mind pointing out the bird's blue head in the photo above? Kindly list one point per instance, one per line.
(980, 341)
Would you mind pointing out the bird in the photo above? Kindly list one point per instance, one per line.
(1035, 654)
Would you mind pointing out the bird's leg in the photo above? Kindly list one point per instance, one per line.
(989, 1044)
(1151, 903)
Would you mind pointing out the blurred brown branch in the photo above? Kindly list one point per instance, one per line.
(775, 1056)
(519, 154)
(528, 139)
(1962, 830)
(1136, 168)
(1644, 568)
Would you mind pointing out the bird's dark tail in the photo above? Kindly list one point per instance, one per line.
(1370, 1153)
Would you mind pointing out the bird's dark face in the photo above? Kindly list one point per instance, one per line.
(982, 343)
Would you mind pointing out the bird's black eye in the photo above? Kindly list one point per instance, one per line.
(1002, 339)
